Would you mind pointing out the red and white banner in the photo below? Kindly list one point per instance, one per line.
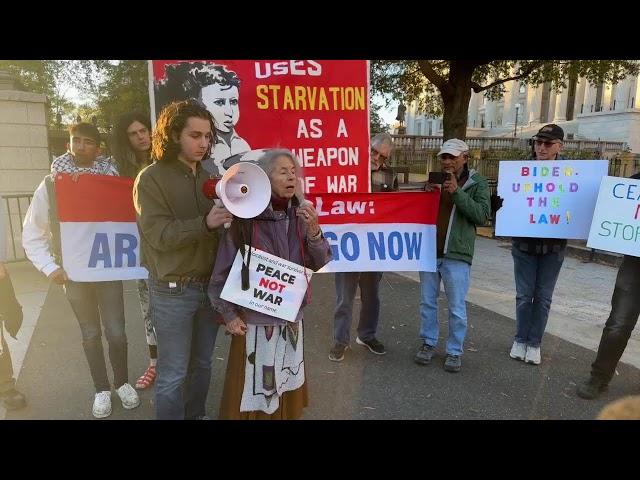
(380, 232)
(99, 236)
(319, 109)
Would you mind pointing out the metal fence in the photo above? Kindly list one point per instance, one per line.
(16, 208)
(419, 142)
(418, 153)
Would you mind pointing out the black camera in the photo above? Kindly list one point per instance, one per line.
(439, 177)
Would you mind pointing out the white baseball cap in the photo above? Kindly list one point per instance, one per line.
(453, 147)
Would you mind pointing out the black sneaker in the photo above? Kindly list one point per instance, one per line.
(591, 389)
(13, 399)
(424, 355)
(373, 345)
(337, 352)
(452, 363)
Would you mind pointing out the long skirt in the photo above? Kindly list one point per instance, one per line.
(292, 402)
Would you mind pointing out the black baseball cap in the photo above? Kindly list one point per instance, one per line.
(551, 132)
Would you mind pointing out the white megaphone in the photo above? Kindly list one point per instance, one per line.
(244, 189)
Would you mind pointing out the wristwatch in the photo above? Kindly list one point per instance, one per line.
(316, 236)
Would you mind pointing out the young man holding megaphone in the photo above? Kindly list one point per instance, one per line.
(179, 232)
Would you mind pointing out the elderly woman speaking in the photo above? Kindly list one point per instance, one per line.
(265, 376)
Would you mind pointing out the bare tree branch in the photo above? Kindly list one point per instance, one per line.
(477, 88)
(427, 70)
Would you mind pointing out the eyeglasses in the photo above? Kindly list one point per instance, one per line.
(547, 144)
(381, 156)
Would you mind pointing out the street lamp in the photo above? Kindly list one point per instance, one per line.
(515, 128)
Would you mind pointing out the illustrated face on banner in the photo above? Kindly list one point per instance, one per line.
(139, 137)
(222, 102)
(318, 109)
(194, 140)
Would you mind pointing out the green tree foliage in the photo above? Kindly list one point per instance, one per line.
(107, 87)
(122, 86)
(443, 87)
(375, 120)
(52, 78)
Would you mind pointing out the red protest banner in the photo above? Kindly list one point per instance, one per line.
(319, 109)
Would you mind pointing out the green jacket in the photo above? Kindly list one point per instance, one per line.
(170, 212)
(471, 208)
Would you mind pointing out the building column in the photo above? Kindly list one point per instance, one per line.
(622, 94)
(551, 113)
(490, 113)
(474, 104)
(534, 97)
(589, 97)
(561, 106)
(581, 87)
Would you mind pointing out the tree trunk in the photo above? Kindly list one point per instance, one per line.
(456, 98)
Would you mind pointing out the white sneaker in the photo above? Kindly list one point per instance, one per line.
(518, 350)
(102, 404)
(129, 396)
(533, 355)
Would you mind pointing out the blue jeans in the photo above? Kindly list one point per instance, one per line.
(455, 275)
(95, 302)
(186, 329)
(536, 277)
(346, 286)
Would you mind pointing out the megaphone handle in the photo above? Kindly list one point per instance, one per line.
(219, 203)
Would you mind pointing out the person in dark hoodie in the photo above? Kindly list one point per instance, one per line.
(265, 376)
(625, 309)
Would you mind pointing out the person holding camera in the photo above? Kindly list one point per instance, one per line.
(464, 205)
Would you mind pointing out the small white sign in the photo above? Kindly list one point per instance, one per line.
(616, 220)
(548, 198)
(276, 286)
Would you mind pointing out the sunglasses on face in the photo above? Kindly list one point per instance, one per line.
(547, 144)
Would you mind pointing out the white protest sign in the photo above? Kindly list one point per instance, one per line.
(276, 286)
(616, 220)
(379, 232)
(548, 198)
